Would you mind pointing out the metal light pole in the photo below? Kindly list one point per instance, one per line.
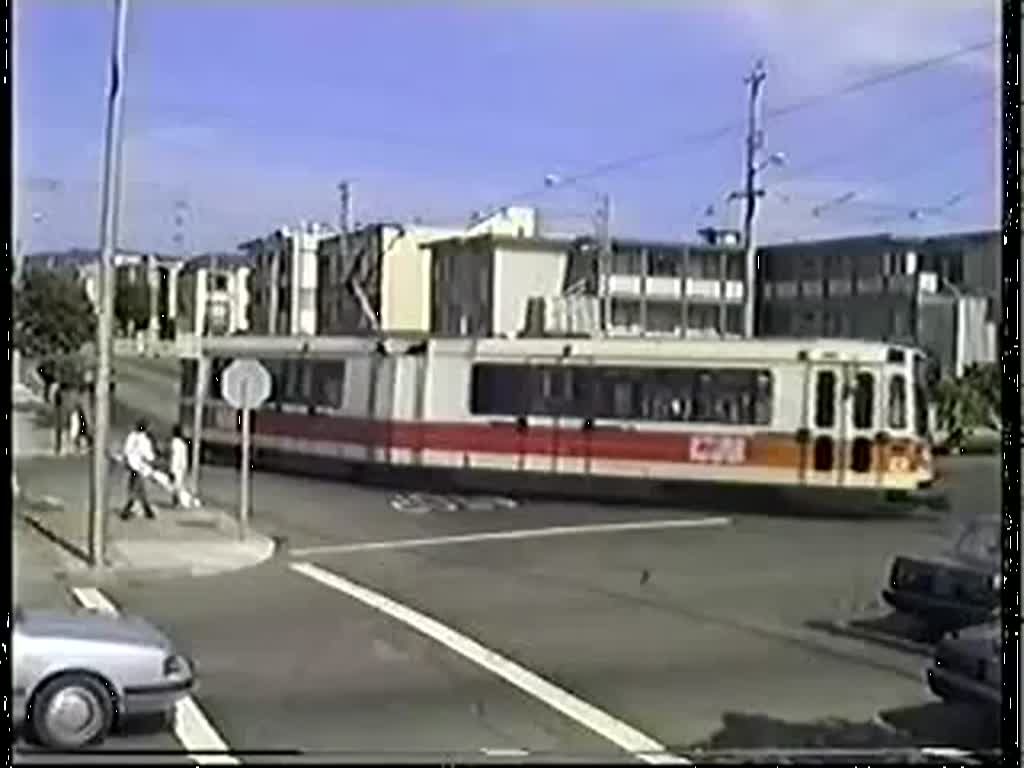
(108, 245)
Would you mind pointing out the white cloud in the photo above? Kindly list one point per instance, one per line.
(830, 41)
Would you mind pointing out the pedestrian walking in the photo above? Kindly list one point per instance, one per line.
(83, 435)
(138, 455)
(59, 417)
(179, 464)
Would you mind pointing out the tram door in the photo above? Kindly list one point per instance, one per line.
(538, 426)
(576, 417)
(823, 434)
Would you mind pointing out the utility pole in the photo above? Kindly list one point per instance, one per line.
(341, 266)
(604, 217)
(108, 245)
(755, 140)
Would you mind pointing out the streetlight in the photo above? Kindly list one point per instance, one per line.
(108, 245)
(602, 223)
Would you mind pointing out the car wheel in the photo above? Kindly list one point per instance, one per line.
(72, 711)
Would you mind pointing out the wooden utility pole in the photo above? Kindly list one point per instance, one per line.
(751, 193)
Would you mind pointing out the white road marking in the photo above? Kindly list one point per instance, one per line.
(529, 533)
(634, 742)
(500, 752)
(191, 727)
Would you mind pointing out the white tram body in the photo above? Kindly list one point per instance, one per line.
(839, 414)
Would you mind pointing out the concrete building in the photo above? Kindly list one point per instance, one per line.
(483, 284)
(502, 285)
(388, 267)
(214, 293)
(940, 293)
(283, 281)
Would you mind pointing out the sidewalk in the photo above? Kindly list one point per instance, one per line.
(54, 501)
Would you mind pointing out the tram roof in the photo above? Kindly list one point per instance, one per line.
(618, 347)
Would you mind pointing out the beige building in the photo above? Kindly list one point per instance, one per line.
(483, 284)
(487, 286)
(383, 271)
(283, 280)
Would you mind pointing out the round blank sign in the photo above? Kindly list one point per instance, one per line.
(245, 384)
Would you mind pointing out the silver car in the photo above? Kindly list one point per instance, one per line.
(77, 674)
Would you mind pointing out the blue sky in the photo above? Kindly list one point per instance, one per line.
(252, 111)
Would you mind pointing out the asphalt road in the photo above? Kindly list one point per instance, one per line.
(695, 636)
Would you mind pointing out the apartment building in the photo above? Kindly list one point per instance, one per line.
(383, 271)
(507, 286)
(940, 293)
(283, 281)
(214, 293)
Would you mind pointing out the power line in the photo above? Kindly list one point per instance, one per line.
(798, 173)
(714, 134)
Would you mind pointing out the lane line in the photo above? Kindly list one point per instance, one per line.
(529, 533)
(631, 740)
(191, 727)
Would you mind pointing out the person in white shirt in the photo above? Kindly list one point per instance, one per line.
(179, 465)
(138, 455)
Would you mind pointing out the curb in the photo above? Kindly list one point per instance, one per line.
(80, 558)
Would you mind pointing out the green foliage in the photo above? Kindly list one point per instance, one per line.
(970, 402)
(131, 304)
(53, 316)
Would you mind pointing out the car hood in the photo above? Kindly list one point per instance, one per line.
(92, 627)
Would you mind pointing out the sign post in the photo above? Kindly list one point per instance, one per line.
(243, 510)
(245, 384)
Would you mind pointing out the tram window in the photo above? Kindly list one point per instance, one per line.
(864, 401)
(704, 397)
(328, 383)
(189, 371)
(296, 386)
(763, 398)
(274, 367)
(825, 400)
(217, 367)
(897, 402)
(500, 390)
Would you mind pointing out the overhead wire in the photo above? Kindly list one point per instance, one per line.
(713, 134)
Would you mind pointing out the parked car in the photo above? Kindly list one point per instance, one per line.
(968, 667)
(953, 592)
(76, 675)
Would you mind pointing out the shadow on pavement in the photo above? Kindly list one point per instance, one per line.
(900, 731)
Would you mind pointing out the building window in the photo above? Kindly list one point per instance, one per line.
(663, 317)
(663, 263)
(734, 269)
(706, 265)
(625, 313)
(734, 320)
(897, 402)
(702, 317)
(625, 261)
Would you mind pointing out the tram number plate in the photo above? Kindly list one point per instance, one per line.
(713, 449)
